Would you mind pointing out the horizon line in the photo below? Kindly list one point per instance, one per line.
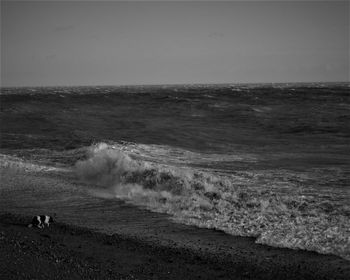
(175, 84)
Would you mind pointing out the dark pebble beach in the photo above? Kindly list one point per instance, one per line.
(63, 251)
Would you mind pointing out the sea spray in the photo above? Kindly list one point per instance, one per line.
(235, 204)
(111, 170)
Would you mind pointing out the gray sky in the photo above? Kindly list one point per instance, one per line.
(112, 43)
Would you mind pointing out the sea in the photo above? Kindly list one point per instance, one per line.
(269, 161)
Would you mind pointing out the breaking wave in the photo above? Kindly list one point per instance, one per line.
(236, 203)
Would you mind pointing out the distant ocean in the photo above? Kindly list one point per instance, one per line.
(265, 160)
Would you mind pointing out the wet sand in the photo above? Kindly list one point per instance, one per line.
(68, 252)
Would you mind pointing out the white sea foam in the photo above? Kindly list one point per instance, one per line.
(13, 162)
(237, 204)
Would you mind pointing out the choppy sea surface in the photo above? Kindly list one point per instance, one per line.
(263, 160)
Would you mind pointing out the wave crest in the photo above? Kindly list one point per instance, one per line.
(117, 172)
(105, 166)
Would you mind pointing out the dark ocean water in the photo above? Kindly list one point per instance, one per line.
(270, 161)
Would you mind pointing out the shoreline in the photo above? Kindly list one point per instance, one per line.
(65, 251)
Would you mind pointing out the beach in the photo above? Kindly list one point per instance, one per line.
(68, 252)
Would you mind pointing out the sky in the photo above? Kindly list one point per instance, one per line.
(56, 43)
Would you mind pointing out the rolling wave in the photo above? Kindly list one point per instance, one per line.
(235, 204)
